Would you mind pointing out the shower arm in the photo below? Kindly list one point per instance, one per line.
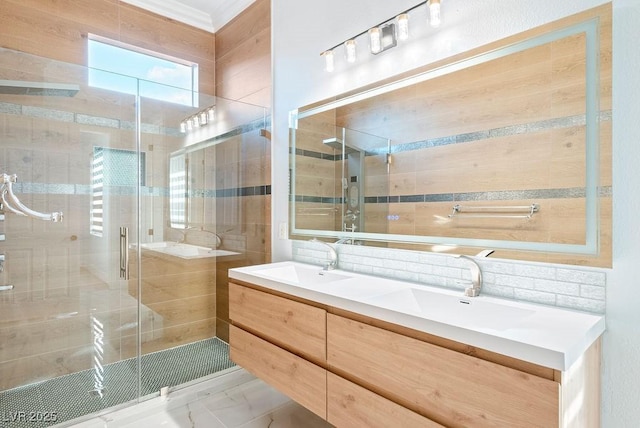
(11, 202)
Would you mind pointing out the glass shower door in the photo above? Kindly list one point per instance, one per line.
(68, 323)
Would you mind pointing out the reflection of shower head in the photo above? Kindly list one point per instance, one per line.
(336, 143)
(43, 89)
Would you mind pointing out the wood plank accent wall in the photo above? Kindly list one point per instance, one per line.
(243, 56)
(57, 29)
(243, 73)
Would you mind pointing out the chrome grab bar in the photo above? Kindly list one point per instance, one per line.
(495, 211)
(11, 203)
(124, 253)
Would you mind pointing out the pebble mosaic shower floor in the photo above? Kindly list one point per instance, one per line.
(68, 397)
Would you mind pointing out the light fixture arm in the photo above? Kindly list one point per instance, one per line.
(377, 25)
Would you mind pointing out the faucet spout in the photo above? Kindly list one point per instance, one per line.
(476, 273)
(333, 255)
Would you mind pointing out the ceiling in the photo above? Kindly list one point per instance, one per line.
(207, 15)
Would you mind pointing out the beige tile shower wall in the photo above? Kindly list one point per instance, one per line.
(58, 30)
(243, 56)
(317, 177)
(65, 278)
(243, 73)
(179, 298)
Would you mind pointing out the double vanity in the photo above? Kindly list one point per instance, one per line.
(365, 351)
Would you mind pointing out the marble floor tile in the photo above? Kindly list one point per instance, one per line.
(291, 415)
(235, 400)
(244, 403)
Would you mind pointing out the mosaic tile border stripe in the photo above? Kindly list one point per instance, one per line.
(106, 122)
(85, 189)
(505, 195)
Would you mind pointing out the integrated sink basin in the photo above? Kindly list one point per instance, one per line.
(302, 275)
(454, 309)
(544, 335)
(185, 251)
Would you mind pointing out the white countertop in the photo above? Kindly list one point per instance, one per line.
(548, 336)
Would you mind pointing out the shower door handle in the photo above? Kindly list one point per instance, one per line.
(124, 253)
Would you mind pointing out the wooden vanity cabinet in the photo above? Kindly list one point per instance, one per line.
(301, 380)
(355, 371)
(445, 385)
(350, 405)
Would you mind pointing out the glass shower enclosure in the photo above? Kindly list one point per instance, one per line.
(110, 241)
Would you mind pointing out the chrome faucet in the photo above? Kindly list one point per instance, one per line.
(476, 273)
(332, 263)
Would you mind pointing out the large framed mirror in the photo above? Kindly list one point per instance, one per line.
(506, 147)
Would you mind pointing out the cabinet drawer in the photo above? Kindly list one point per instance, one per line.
(294, 326)
(350, 405)
(299, 379)
(451, 388)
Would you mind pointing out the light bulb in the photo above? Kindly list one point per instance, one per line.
(403, 26)
(202, 118)
(350, 50)
(328, 60)
(375, 40)
(434, 13)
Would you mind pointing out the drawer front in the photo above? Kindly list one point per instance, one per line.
(302, 381)
(451, 388)
(350, 405)
(292, 325)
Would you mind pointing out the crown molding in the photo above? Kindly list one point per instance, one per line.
(178, 11)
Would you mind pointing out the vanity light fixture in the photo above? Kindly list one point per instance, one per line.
(403, 26)
(434, 13)
(350, 50)
(328, 60)
(384, 35)
(375, 40)
(201, 118)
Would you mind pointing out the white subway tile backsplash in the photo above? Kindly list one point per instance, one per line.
(580, 288)
(439, 281)
(510, 280)
(558, 287)
(451, 272)
(580, 303)
(498, 290)
(582, 277)
(592, 292)
(501, 268)
(534, 296)
(533, 271)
